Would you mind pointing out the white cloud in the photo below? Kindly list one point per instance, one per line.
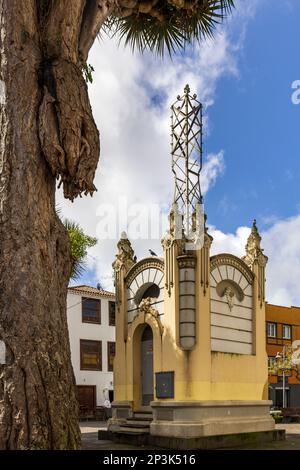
(130, 97)
(213, 167)
(229, 242)
(281, 243)
(282, 246)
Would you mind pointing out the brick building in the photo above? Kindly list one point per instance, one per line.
(282, 328)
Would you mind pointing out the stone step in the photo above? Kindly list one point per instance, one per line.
(135, 437)
(135, 425)
(134, 420)
(139, 424)
(143, 414)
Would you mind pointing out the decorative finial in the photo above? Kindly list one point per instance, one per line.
(125, 256)
(187, 89)
(254, 226)
(254, 252)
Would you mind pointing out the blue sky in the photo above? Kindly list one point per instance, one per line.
(251, 142)
(255, 122)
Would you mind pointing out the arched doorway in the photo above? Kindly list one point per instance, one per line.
(147, 366)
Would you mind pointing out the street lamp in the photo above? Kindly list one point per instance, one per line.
(282, 356)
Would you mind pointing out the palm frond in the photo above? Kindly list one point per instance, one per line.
(80, 242)
(78, 269)
(168, 25)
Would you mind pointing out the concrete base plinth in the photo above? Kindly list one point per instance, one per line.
(197, 424)
(222, 441)
(193, 419)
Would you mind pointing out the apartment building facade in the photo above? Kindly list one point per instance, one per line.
(91, 323)
(282, 329)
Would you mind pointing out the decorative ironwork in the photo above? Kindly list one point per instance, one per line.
(186, 150)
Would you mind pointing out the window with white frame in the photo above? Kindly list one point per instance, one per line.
(286, 331)
(271, 330)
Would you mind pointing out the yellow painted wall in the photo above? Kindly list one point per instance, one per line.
(199, 374)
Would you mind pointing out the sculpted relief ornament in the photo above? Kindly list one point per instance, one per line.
(229, 293)
(145, 308)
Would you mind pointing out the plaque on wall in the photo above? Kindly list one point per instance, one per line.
(164, 384)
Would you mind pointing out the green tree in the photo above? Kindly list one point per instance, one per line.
(48, 133)
(80, 242)
(287, 360)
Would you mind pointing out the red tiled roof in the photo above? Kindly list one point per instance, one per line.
(89, 290)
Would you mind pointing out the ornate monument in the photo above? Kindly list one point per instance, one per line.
(190, 346)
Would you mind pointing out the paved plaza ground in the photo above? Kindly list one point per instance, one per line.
(90, 440)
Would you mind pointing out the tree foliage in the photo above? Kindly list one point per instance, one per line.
(80, 242)
(287, 361)
(68, 134)
(160, 25)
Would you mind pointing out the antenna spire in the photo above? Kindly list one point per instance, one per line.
(186, 151)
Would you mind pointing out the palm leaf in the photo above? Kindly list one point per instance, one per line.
(168, 26)
(79, 242)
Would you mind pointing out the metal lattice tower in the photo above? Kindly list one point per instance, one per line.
(186, 150)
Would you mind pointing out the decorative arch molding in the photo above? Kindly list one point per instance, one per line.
(145, 263)
(147, 272)
(234, 261)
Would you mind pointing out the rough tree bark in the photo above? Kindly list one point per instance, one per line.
(47, 132)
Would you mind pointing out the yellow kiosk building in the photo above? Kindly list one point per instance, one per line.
(190, 328)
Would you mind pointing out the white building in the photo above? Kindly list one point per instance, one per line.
(91, 322)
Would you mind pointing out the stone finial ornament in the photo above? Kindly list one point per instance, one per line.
(175, 231)
(176, 223)
(254, 252)
(125, 256)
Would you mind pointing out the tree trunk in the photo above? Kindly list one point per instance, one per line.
(38, 405)
(47, 132)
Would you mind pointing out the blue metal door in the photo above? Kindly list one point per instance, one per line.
(147, 366)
